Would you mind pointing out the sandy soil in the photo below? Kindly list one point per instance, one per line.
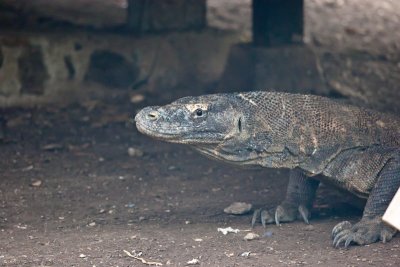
(71, 195)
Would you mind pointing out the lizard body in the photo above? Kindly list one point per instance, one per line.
(318, 138)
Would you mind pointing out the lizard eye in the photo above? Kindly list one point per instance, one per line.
(199, 112)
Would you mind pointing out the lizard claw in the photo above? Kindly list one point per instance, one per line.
(340, 227)
(278, 213)
(364, 232)
(283, 213)
(304, 213)
(256, 215)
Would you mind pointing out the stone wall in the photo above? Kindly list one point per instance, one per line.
(39, 68)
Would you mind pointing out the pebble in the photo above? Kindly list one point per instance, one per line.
(238, 208)
(36, 183)
(251, 236)
(135, 152)
(137, 98)
(245, 254)
(193, 262)
(309, 228)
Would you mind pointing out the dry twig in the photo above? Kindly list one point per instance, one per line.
(143, 260)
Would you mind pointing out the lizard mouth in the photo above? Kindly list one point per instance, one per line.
(172, 136)
(151, 122)
(214, 152)
(148, 130)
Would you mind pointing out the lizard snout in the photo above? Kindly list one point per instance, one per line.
(147, 114)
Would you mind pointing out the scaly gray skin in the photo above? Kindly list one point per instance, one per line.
(319, 139)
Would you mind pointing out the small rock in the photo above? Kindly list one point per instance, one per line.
(238, 208)
(309, 228)
(135, 152)
(82, 255)
(198, 239)
(245, 254)
(251, 236)
(92, 224)
(137, 98)
(193, 262)
(130, 205)
(36, 183)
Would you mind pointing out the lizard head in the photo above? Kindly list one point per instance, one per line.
(206, 120)
(228, 127)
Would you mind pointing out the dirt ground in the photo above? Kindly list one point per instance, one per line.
(71, 195)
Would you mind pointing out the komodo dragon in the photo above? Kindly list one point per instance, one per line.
(319, 139)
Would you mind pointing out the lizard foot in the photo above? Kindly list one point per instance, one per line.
(364, 232)
(285, 212)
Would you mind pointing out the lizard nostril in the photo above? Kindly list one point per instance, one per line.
(153, 115)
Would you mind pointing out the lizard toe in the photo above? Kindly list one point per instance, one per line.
(341, 237)
(256, 216)
(305, 213)
(288, 212)
(283, 213)
(387, 234)
(262, 215)
(340, 227)
(266, 218)
(366, 231)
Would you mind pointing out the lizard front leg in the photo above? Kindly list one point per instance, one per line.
(297, 204)
(371, 228)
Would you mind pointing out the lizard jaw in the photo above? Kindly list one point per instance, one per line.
(167, 136)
